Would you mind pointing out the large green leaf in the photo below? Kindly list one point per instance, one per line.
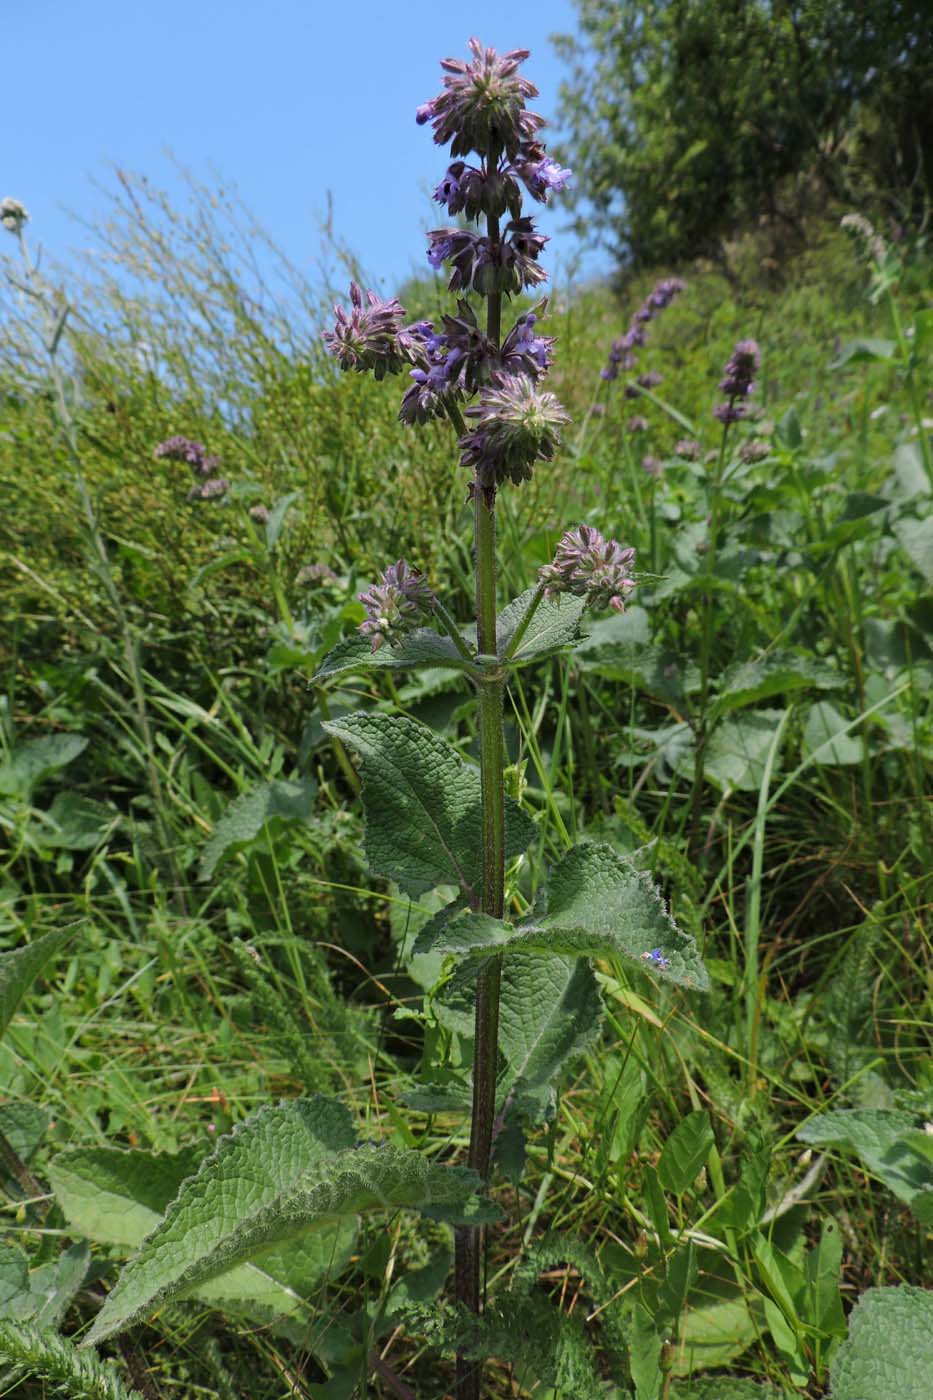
(596, 905)
(422, 801)
(890, 1146)
(619, 648)
(287, 1171)
(888, 1354)
(864, 348)
(421, 650)
(554, 625)
(20, 968)
(778, 673)
(275, 801)
(726, 1388)
(738, 749)
(35, 759)
(550, 1012)
(118, 1197)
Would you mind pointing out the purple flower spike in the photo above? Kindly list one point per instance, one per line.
(637, 423)
(738, 381)
(394, 606)
(591, 567)
(482, 106)
(367, 338)
(689, 449)
(542, 176)
(517, 424)
(193, 454)
(210, 490)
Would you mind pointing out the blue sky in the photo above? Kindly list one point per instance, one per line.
(285, 101)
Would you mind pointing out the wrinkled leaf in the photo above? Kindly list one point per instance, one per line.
(35, 759)
(888, 1354)
(555, 624)
(421, 650)
(287, 1171)
(39, 1296)
(278, 800)
(422, 803)
(889, 1145)
(596, 905)
(778, 673)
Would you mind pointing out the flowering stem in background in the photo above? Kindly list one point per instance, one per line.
(916, 403)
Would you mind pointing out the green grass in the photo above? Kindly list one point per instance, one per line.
(182, 654)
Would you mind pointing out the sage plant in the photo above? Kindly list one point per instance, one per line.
(432, 818)
(487, 381)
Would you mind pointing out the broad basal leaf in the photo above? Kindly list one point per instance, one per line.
(738, 749)
(825, 739)
(778, 673)
(685, 1152)
(555, 624)
(889, 1144)
(118, 1197)
(916, 540)
(864, 348)
(286, 1172)
(888, 1354)
(421, 650)
(20, 968)
(422, 801)
(596, 905)
(35, 759)
(244, 819)
(39, 1296)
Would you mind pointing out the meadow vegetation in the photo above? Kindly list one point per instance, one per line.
(722, 1175)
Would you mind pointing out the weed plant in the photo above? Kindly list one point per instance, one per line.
(694, 1187)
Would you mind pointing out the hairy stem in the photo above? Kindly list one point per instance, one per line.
(469, 1242)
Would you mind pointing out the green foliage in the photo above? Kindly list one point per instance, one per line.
(890, 1145)
(288, 1170)
(709, 114)
(20, 968)
(54, 1361)
(423, 814)
(889, 1350)
(596, 905)
(249, 815)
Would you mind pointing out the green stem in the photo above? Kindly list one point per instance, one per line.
(490, 689)
(453, 632)
(916, 403)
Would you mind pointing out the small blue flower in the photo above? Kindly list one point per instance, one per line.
(657, 958)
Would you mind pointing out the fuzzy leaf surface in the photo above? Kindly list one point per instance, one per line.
(246, 816)
(550, 1012)
(422, 650)
(288, 1170)
(889, 1144)
(20, 968)
(39, 1296)
(556, 624)
(889, 1349)
(35, 759)
(916, 539)
(779, 673)
(596, 905)
(738, 750)
(422, 802)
